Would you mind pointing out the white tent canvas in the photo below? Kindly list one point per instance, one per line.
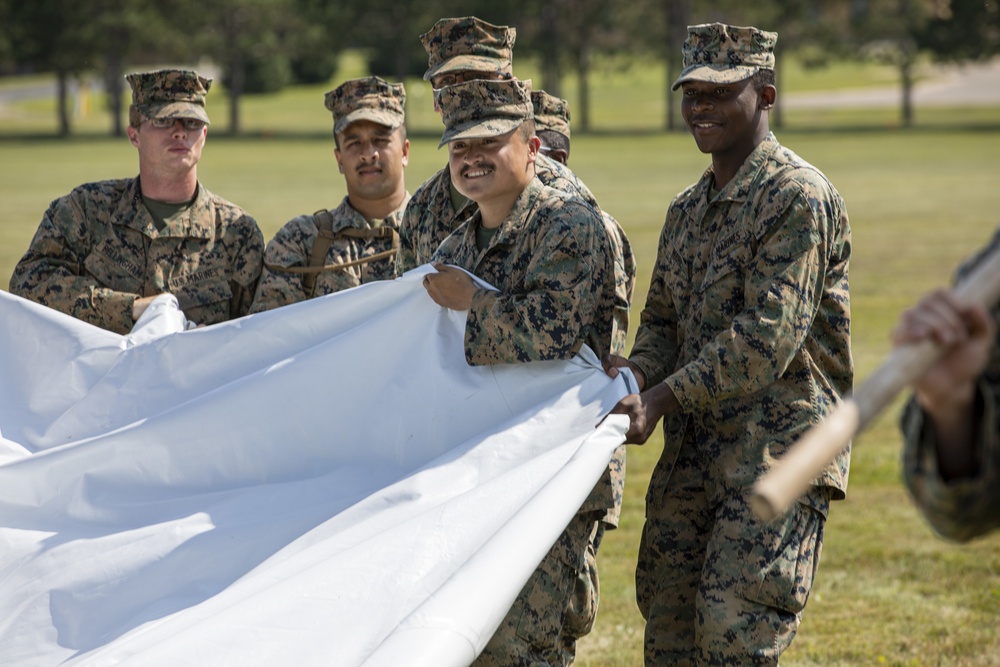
(328, 483)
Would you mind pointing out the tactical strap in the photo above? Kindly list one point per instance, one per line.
(325, 238)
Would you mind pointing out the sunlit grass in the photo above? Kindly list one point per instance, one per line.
(888, 591)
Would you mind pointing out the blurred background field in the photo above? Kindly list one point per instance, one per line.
(920, 198)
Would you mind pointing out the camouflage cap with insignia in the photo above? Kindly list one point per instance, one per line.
(551, 112)
(478, 109)
(468, 44)
(725, 54)
(368, 98)
(168, 93)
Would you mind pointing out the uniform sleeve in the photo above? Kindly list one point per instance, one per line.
(957, 509)
(554, 310)
(655, 349)
(782, 291)
(406, 255)
(247, 268)
(290, 247)
(52, 272)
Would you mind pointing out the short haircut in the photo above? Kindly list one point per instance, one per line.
(526, 130)
(762, 78)
(554, 140)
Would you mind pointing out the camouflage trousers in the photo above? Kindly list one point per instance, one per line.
(716, 585)
(556, 606)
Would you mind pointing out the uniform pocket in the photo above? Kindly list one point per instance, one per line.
(780, 568)
(115, 269)
(562, 594)
(205, 300)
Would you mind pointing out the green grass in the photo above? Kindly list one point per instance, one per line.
(888, 591)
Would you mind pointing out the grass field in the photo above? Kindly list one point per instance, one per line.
(888, 591)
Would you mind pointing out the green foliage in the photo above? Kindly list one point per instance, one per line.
(267, 74)
(964, 30)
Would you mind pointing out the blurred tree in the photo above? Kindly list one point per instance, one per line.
(566, 35)
(53, 35)
(6, 45)
(389, 32)
(962, 30)
(887, 30)
(240, 35)
(126, 31)
(319, 40)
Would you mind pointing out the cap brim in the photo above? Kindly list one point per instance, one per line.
(468, 63)
(714, 74)
(493, 127)
(175, 110)
(391, 121)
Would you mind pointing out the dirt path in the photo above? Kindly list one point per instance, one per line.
(972, 84)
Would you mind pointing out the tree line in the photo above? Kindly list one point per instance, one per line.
(265, 45)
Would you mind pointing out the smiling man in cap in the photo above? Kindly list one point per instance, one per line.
(547, 253)
(459, 50)
(103, 252)
(328, 251)
(744, 343)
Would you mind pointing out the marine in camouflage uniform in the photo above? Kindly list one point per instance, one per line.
(960, 506)
(743, 344)
(552, 127)
(463, 49)
(107, 248)
(549, 258)
(360, 236)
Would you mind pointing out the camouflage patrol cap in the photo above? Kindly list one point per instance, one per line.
(725, 54)
(468, 43)
(168, 93)
(551, 112)
(478, 109)
(368, 98)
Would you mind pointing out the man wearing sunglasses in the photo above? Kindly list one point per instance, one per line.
(103, 252)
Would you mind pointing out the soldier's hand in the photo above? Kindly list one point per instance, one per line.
(967, 334)
(644, 411)
(140, 305)
(612, 362)
(450, 287)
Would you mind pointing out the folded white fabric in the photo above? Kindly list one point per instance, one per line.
(326, 483)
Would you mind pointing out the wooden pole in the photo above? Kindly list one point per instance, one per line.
(805, 460)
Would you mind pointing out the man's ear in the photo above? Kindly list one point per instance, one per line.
(559, 155)
(768, 95)
(534, 144)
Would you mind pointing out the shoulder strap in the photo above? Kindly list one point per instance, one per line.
(324, 239)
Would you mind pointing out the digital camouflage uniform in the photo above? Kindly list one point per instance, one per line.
(959, 509)
(552, 114)
(747, 321)
(98, 249)
(292, 245)
(430, 217)
(348, 261)
(551, 263)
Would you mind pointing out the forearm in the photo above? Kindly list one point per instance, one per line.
(955, 431)
(504, 329)
(276, 289)
(50, 283)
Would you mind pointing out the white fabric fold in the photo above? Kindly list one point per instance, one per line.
(328, 483)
